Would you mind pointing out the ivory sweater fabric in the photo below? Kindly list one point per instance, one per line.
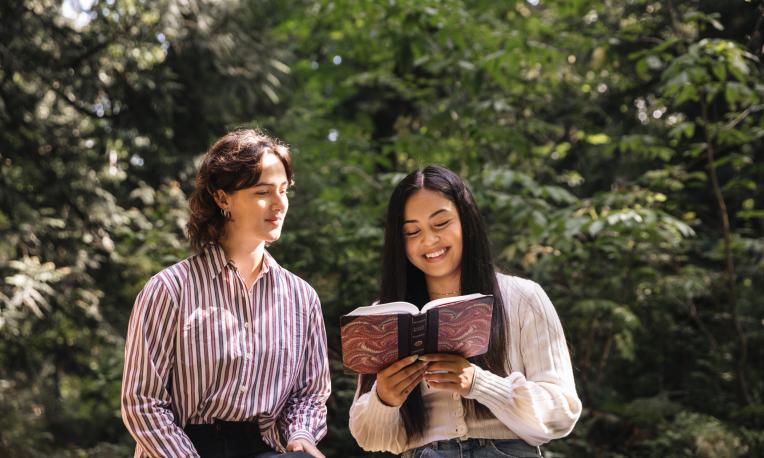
(537, 402)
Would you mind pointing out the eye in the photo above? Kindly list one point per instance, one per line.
(262, 193)
(412, 233)
(443, 224)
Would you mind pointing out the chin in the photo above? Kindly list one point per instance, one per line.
(440, 271)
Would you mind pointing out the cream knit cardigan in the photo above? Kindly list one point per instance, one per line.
(537, 402)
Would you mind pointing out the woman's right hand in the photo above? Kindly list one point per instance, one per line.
(396, 381)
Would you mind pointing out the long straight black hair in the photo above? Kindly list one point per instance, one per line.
(401, 280)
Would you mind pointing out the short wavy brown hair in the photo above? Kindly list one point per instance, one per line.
(231, 164)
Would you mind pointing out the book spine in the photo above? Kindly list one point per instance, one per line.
(431, 333)
(404, 333)
(418, 334)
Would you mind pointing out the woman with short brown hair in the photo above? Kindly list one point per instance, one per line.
(225, 354)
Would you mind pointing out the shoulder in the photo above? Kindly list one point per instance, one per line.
(517, 288)
(295, 284)
(530, 299)
(527, 295)
(172, 278)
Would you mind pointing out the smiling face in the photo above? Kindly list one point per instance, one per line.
(432, 231)
(258, 212)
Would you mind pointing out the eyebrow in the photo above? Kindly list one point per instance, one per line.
(434, 214)
(272, 184)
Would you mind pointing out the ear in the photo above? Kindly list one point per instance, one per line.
(221, 198)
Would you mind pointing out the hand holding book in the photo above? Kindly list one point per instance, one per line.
(396, 381)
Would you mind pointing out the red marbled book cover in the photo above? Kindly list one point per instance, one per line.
(465, 328)
(370, 342)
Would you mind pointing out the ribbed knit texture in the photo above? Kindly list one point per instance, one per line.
(537, 402)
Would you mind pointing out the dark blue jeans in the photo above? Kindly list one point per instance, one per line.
(224, 439)
(475, 448)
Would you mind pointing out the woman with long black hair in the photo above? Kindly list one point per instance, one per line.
(506, 402)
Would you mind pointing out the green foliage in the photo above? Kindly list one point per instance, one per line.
(614, 147)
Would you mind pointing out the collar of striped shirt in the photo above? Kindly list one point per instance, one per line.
(217, 260)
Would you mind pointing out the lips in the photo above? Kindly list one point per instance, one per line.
(437, 255)
(275, 221)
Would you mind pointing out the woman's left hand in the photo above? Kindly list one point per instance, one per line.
(446, 372)
(302, 445)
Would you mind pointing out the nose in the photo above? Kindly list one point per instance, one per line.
(431, 238)
(280, 203)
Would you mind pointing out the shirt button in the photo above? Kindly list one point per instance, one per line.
(246, 325)
(455, 396)
(248, 356)
(243, 388)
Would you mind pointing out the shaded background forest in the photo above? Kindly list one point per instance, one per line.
(614, 146)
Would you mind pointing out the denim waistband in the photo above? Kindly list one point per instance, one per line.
(475, 445)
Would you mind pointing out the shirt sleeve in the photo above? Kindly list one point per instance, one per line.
(149, 355)
(540, 404)
(375, 425)
(304, 416)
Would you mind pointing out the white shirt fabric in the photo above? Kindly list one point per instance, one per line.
(537, 402)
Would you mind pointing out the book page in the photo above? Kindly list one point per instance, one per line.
(386, 309)
(450, 300)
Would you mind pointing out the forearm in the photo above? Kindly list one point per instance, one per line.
(153, 427)
(537, 411)
(376, 426)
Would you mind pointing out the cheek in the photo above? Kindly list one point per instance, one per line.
(410, 251)
(455, 238)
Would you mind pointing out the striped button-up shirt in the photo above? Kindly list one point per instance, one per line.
(200, 347)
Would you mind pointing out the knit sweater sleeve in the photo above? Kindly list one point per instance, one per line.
(540, 403)
(376, 426)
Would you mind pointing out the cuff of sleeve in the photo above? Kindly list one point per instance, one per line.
(384, 413)
(301, 434)
(487, 386)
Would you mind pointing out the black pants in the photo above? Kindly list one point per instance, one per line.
(225, 439)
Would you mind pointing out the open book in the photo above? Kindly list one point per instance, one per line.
(377, 335)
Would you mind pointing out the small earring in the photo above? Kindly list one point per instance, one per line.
(226, 214)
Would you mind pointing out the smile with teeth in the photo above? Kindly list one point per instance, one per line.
(436, 254)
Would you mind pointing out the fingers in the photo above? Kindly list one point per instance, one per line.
(295, 447)
(436, 357)
(394, 387)
(442, 378)
(313, 450)
(445, 367)
(410, 387)
(300, 445)
(415, 376)
(398, 365)
(447, 387)
(396, 378)
(415, 370)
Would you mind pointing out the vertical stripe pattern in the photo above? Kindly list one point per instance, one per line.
(201, 347)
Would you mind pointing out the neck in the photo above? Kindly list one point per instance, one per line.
(247, 255)
(438, 287)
